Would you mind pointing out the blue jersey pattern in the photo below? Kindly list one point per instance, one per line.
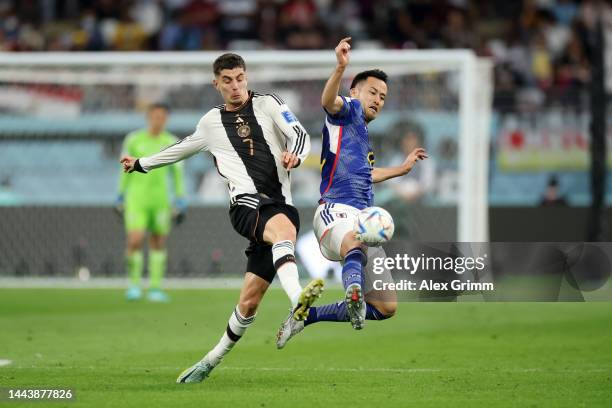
(347, 158)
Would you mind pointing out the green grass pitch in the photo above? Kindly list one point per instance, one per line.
(114, 354)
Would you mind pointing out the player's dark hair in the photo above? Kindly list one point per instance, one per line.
(364, 75)
(159, 105)
(228, 61)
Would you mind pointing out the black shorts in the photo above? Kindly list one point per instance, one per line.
(249, 214)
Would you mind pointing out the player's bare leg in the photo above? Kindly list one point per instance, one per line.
(242, 317)
(381, 304)
(281, 233)
(158, 259)
(384, 302)
(135, 263)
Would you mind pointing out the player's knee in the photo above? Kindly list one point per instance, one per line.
(248, 306)
(134, 244)
(389, 309)
(158, 242)
(349, 242)
(386, 309)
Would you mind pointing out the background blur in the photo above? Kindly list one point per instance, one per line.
(59, 143)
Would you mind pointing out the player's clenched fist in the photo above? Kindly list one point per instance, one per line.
(342, 51)
(128, 163)
(290, 160)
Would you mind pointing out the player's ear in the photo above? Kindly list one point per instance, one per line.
(215, 84)
(354, 92)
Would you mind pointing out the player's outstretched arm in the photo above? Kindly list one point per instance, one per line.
(182, 149)
(385, 173)
(330, 100)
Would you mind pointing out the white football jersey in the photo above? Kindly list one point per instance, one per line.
(246, 146)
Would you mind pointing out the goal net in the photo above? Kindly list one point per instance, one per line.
(63, 117)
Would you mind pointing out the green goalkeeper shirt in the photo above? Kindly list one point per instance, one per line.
(150, 189)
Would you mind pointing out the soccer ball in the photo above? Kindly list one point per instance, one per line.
(374, 226)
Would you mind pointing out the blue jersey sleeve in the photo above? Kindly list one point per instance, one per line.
(350, 110)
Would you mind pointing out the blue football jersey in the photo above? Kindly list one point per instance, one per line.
(347, 159)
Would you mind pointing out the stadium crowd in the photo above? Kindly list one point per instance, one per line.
(538, 44)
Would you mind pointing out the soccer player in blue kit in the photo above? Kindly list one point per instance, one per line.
(347, 175)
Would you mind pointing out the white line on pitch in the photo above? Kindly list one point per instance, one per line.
(328, 369)
(351, 370)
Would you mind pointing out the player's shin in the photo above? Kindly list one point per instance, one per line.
(135, 263)
(236, 327)
(283, 255)
(157, 267)
(352, 270)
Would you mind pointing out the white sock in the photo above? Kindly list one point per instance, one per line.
(283, 255)
(236, 327)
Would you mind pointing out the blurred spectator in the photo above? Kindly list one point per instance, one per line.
(109, 9)
(267, 23)
(541, 61)
(421, 179)
(456, 32)
(565, 11)
(552, 197)
(300, 25)
(540, 46)
(149, 15)
(405, 196)
(237, 20)
(191, 27)
(572, 72)
(405, 33)
(556, 35)
(88, 36)
(10, 25)
(128, 35)
(344, 18)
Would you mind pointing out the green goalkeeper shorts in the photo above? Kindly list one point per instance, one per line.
(153, 219)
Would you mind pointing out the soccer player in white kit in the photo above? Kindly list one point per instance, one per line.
(255, 140)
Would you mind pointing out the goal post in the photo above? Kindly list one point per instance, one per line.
(464, 82)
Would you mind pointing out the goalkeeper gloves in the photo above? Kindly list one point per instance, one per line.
(180, 210)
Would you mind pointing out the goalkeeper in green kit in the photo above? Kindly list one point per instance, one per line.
(145, 201)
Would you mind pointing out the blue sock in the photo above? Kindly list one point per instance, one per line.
(336, 312)
(352, 269)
